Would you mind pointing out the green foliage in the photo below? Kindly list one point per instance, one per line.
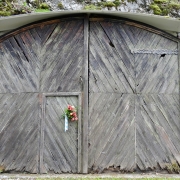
(11, 7)
(160, 1)
(156, 9)
(5, 13)
(92, 7)
(164, 7)
(175, 6)
(117, 3)
(60, 6)
(131, 0)
(44, 6)
(42, 10)
(80, 1)
(171, 168)
(109, 4)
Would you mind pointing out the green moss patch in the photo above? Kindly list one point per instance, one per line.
(42, 10)
(92, 7)
(164, 7)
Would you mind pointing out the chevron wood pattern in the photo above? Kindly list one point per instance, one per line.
(62, 56)
(133, 96)
(19, 70)
(61, 148)
(111, 68)
(156, 74)
(149, 82)
(19, 135)
(49, 53)
(112, 129)
(158, 133)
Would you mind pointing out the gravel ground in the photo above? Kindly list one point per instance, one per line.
(90, 176)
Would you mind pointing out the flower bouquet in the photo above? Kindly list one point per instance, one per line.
(71, 113)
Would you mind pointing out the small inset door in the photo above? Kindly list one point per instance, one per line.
(61, 147)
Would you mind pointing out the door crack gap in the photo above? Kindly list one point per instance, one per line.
(110, 42)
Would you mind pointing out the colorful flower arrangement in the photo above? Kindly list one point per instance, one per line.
(71, 113)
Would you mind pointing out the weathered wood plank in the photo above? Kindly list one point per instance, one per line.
(20, 127)
(109, 66)
(156, 74)
(62, 145)
(155, 127)
(62, 62)
(85, 100)
(108, 131)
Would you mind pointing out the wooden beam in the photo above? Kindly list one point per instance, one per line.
(85, 98)
(178, 48)
(42, 125)
(79, 133)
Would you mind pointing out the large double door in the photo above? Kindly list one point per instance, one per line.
(122, 76)
(133, 98)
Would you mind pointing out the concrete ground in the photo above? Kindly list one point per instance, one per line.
(90, 176)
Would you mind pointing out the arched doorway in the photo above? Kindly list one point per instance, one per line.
(132, 96)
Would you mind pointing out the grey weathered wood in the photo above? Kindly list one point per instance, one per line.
(19, 126)
(150, 77)
(155, 74)
(85, 98)
(79, 133)
(62, 94)
(62, 56)
(108, 64)
(58, 141)
(155, 124)
(42, 126)
(111, 131)
(133, 116)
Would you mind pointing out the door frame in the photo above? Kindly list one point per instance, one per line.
(42, 127)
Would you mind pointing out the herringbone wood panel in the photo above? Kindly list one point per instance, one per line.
(19, 135)
(153, 82)
(158, 132)
(44, 58)
(19, 70)
(62, 56)
(111, 131)
(111, 68)
(133, 104)
(61, 148)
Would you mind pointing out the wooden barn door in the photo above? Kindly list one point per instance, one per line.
(19, 103)
(157, 101)
(38, 63)
(60, 84)
(62, 148)
(133, 98)
(111, 99)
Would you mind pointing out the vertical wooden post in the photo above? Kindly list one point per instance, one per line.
(85, 98)
(79, 134)
(42, 124)
(178, 48)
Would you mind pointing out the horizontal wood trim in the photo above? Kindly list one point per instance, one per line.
(62, 94)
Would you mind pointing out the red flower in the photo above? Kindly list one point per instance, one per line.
(70, 107)
(71, 113)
